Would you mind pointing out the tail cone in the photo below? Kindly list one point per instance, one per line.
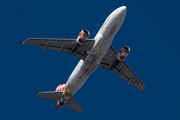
(58, 106)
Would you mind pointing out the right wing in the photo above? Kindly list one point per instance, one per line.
(63, 45)
(110, 62)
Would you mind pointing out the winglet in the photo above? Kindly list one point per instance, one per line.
(24, 42)
(143, 91)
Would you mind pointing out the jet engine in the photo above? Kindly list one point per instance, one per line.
(83, 35)
(124, 51)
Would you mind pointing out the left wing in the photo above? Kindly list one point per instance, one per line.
(110, 62)
(63, 45)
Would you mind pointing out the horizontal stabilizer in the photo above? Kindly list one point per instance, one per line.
(50, 95)
(72, 103)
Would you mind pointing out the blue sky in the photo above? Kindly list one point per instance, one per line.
(150, 29)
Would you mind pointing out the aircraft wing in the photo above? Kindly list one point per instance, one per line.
(110, 62)
(63, 45)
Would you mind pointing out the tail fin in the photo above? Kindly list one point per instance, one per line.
(56, 95)
(72, 103)
(53, 95)
(60, 87)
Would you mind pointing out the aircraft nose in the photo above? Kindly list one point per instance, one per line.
(122, 10)
(120, 14)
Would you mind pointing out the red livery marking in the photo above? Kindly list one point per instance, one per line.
(24, 42)
(60, 88)
(121, 57)
(81, 41)
(58, 106)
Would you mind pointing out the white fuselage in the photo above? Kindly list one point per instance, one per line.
(103, 41)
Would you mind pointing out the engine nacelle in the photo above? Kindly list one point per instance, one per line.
(124, 51)
(83, 35)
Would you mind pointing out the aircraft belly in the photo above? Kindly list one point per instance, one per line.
(86, 67)
(75, 81)
(103, 41)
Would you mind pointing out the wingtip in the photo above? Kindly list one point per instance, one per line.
(80, 111)
(143, 91)
(24, 42)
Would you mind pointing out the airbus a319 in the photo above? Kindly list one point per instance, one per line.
(93, 53)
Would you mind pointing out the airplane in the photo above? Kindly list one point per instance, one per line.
(93, 53)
